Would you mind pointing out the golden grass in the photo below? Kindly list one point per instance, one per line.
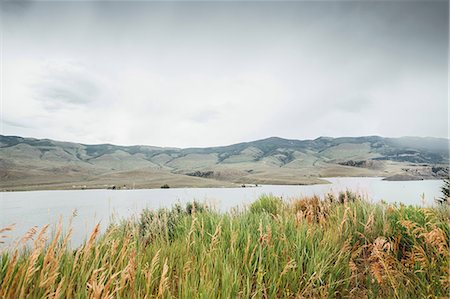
(308, 248)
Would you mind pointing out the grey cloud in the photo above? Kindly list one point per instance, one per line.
(221, 72)
(355, 104)
(16, 8)
(64, 87)
(17, 124)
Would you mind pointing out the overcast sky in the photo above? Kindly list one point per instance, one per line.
(215, 73)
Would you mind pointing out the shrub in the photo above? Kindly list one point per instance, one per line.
(159, 224)
(163, 223)
(195, 207)
(445, 190)
(267, 204)
(348, 196)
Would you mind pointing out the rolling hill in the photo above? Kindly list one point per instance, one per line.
(28, 163)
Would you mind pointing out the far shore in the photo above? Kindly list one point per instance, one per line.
(174, 185)
(56, 187)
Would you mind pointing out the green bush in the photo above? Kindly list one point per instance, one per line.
(195, 207)
(267, 204)
(163, 223)
(160, 223)
(445, 190)
(349, 196)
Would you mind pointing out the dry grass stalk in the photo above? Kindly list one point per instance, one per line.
(344, 219)
(233, 238)
(290, 265)
(28, 235)
(129, 274)
(187, 268)
(7, 228)
(264, 237)
(436, 238)
(215, 237)
(247, 248)
(32, 268)
(58, 291)
(123, 251)
(369, 224)
(190, 238)
(313, 209)
(2, 232)
(153, 267)
(164, 281)
(7, 283)
(252, 255)
(50, 264)
(382, 264)
(92, 238)
(96, 283)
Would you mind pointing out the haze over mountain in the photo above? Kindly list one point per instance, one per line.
(28, 163)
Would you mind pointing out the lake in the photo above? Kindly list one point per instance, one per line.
(37, 208)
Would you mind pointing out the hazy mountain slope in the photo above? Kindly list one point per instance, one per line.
(44, 163)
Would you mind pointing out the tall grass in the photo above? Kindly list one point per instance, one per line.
(305, 248)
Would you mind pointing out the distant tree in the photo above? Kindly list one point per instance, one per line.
(165, 186)
(445, 189)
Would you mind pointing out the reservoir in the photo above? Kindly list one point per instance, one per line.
(38, 208)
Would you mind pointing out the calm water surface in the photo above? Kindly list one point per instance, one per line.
(37, 208)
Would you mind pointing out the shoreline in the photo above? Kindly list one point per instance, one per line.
(316, 181)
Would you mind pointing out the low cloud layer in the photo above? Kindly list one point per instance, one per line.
(215, 73)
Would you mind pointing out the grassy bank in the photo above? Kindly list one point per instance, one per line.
(336, 247)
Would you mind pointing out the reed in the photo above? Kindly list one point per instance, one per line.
(307, 248)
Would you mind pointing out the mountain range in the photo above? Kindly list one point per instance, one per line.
(30, 164)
